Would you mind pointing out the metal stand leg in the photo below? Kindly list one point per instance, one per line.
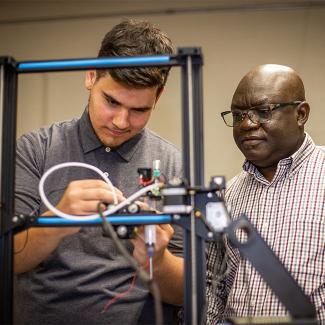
(8, 86)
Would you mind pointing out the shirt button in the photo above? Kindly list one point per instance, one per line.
(107, 149)
(106, 174)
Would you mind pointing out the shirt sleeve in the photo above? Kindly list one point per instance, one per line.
(28, 174)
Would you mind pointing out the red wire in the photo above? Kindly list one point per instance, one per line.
(122, 294)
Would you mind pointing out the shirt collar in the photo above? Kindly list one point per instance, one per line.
(90, 141)
(88, 138)
(300, 156)
(128, 148)
(290, 165)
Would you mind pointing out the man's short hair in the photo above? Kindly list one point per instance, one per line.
(136, 38)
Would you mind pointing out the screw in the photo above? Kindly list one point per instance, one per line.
(15, 219)
(177, 217)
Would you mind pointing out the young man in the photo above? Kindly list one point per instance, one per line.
(67, 275)
(281, 189)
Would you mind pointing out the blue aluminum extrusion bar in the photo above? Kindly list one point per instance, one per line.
(115, 220)
(92, 63)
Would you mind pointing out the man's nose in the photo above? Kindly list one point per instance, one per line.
(247, 122)
(121, 118)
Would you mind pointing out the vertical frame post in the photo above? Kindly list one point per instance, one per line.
(193, 164)
(8, 100)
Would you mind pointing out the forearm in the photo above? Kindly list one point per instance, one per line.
(169, 274)
(35, 246)
(80, 198)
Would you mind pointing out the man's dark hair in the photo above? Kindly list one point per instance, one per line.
(136, 38)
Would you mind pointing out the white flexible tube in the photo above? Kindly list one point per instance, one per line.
(109, 211)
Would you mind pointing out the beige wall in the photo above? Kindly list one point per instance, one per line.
(232, 42)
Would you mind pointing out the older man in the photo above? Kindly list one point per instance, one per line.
(282, 191)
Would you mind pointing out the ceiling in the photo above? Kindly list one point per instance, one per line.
(23, 11)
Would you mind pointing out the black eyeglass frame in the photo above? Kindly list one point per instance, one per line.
(271, 107)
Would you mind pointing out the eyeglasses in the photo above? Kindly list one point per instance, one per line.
(257, 114)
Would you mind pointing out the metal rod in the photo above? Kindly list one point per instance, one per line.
(8, 148)
(186, 169)
(118, 219)
(198, 161)
(185, 123)
(2, 81)
(192, 147)
(190, 122)
(94, 63)
(193, 237)
(198, 127)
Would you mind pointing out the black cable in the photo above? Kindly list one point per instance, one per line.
(144, 276)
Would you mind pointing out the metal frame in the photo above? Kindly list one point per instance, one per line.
(192, 117)
(190, 61)
(8, 101)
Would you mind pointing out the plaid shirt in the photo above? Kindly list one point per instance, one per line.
(289, 213)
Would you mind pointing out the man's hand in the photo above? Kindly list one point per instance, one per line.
(164, 233)
(80, 198)
(168, 269)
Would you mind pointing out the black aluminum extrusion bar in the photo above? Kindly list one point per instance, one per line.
(8, 97)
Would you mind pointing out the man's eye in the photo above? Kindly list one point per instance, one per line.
(139, 110)
(112, 102)
(264, 113)
(236, 115)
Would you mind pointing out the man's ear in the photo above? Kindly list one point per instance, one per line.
(302, 113)
(90, 79)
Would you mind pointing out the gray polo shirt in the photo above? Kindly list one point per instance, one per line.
(75, 282)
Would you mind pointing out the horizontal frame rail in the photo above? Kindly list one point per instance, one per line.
(93, 63)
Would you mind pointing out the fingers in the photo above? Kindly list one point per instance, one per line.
(94, 190)
(94, 183)
(146, 207)
(143, 206)
(164, 233)
(85, 207)
(167, 228)
(82, 197)
(99, 194)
